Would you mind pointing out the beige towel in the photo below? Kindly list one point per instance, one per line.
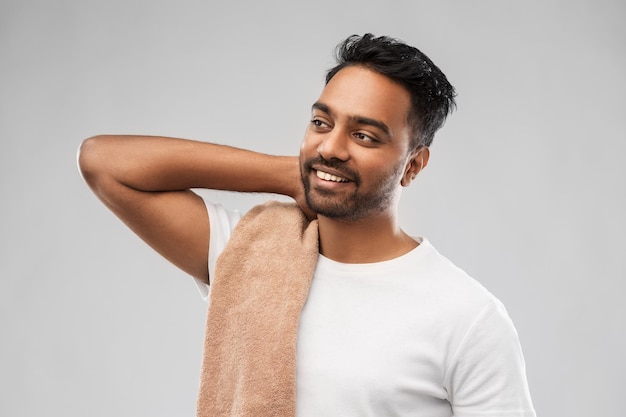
(260, 285)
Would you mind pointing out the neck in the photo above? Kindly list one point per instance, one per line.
(373, 239)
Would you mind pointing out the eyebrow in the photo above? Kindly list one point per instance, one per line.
(357, 119)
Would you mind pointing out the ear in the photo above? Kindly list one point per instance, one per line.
(418, 159)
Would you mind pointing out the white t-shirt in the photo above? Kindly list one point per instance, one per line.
(412, 336)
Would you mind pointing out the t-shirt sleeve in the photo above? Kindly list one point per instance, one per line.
(222, 222)
(487, 376)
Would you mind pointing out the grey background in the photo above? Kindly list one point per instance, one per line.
(525, 189)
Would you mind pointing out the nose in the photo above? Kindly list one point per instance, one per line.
(334, 145)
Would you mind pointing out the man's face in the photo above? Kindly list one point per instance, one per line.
(356, 148)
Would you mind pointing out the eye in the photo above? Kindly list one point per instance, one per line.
(365, 138)
(319, 124)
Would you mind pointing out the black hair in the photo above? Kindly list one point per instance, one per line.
(432, 96)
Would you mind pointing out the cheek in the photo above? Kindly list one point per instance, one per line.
(308, 143)
(389, 173)
(303, 150)
(306, 151)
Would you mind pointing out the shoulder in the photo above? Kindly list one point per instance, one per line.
(452, 282)
(459, 302)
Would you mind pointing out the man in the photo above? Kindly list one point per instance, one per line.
(390, 327)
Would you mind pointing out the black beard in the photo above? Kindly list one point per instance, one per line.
(354, 206)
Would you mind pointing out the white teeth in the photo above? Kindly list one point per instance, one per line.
(329, 177)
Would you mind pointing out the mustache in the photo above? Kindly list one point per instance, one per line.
(335, 164)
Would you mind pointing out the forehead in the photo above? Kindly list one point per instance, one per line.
(361, 92)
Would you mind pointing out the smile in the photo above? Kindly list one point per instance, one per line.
(329, 177)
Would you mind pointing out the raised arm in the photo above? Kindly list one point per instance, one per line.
(146, 181)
